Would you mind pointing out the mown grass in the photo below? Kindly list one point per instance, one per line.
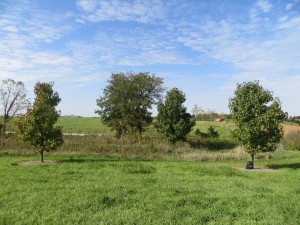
(86, 125)
(104, 180)
(89, 190)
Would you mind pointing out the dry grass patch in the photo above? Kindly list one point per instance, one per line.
(288, 129)
(37, 162)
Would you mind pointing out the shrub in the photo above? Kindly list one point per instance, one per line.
(211, 143)
(211, 133)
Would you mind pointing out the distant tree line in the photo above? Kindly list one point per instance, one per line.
(293, 119)
(199, 114)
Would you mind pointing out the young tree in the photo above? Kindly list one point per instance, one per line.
(257, 115)
(126, 100)
(13, 99)
(37, 125)
(172, 120)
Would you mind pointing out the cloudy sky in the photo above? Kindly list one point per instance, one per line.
(202, 47)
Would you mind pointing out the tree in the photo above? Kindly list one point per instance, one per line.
(126, 100)
(197, 111)
(257, 115)
(37, 125)
(13, 98)
(172, 120)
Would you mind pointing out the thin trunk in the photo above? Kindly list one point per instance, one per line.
(3, 127)
(4, 124)
(42, 155)
(252, 159)
(6, 119)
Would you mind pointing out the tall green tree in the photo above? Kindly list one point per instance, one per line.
(37, 125)
(257, 115)
(126, 101)
(173, 121)
(13, 99)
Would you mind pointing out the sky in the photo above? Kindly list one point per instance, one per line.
(202, 47)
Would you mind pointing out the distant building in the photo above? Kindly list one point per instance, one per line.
(219, 119)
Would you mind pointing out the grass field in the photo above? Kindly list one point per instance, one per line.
(103, 180)
(108, 191)
(86, 125)
(93, 125)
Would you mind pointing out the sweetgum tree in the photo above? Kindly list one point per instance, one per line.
(37, 125)
(257, 115)
(172, 120)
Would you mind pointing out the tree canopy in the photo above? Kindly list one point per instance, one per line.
(172, 120)
(257, 115)
(13, 99)
(37, 125)
(127, 99)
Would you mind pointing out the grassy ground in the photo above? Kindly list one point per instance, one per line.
(224, 128)
(106, 191)
(87, 125)
(104, 180)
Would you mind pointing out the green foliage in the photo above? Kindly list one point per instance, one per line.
(210, 140)
(126, 101)
(210, 143)
(211, 133)
(37, 125)
(13, 99)
(257, 116)
(172, 120)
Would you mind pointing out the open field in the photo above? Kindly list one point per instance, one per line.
(103, 180)
(93, 125)
(110, 191)
(150, 147)
(87, 125)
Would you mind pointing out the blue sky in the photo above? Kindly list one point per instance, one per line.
(202, 47)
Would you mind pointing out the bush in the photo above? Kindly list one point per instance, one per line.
(292, 141)
(211, 133)
(211, 143)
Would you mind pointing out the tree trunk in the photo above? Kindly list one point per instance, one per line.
(252, 159)
(5, 121)
(42, 155)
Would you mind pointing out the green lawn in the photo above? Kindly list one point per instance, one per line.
(87, 125)
(106, 191)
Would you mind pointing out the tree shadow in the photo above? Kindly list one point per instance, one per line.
(294, 166)
(80, 160)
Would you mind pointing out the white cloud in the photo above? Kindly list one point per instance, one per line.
(137, 47)
(107, 10)
(264, 44)
(264, 5)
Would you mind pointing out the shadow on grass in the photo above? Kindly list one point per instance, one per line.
(95, 160)
(294, 166)
(77, 160)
